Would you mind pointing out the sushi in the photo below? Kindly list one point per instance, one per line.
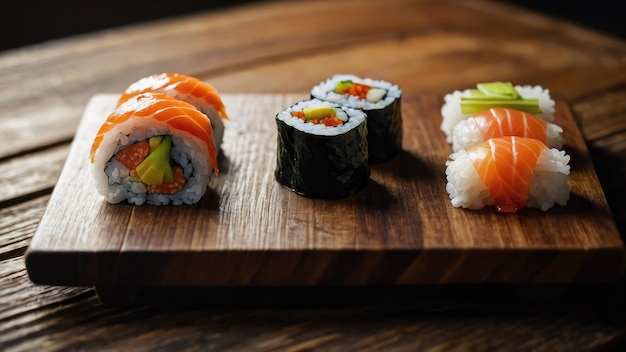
(154, 149)
(380, 100)
(322, 149)
(460, 105)
(509, 173)
(190, 89)
(500, 122)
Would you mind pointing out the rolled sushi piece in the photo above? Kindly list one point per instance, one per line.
(500, 122)
(154, 149)
(322, 149)
(380, 100)
(509, 173)
(190, 89)
(460, 105)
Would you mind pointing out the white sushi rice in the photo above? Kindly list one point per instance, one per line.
(113, 180)
(451, 109)
(467, 133)
(548, 185)
(325, 91)
(355, 118)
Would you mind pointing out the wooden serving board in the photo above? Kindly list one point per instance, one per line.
(248, 230)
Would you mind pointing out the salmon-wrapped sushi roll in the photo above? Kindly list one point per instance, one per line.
(501, 122)
(154, 149)
(510, 173)
(190, 89)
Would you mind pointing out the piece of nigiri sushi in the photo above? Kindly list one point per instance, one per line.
(190, 89)
(461, 104)
(156, 149)
(500, 122)
(510, 173)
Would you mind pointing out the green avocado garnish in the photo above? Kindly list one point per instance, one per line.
(155, 141)
(343, 86)
(156, 168)
(501, 94)
(322, 112)
(317, 112)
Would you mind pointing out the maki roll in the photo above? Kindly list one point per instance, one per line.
(154, 149)
(509, 173)
(380, 100)
(322, 149)
(460, 105)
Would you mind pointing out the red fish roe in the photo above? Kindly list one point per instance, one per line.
(359, 90)
(298, 114)
(331, 120)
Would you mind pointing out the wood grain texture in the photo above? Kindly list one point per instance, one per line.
(405, 44)
(426, 47)
(430, 318)
(31, 174)
(18, 224)
(249, 230)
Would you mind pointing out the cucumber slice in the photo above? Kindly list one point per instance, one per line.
(476, 106)
(341, 115)
(500, 94)
(374, 95)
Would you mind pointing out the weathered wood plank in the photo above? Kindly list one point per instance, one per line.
(56, 84)
(603, 122)
(31, 174)
(18, 224)
(576, 317)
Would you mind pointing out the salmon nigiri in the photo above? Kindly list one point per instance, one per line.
(461, 104)
(500, 122)
(154, 148)
(510, 173)
(190, 89)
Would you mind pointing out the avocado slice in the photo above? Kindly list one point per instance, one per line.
(501, 94)
(155, 141)
(317, 112)
(343, 86)
(156, 168)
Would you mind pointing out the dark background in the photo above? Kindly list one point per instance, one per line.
(29, 22)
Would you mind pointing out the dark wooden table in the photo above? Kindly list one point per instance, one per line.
(427, 47)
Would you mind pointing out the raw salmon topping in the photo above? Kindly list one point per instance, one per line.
(506, 166)
(132, 155)
(170, 187)
(179, 86)
(498, 122)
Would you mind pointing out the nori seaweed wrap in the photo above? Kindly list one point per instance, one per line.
(380, 100)
(318, 159)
